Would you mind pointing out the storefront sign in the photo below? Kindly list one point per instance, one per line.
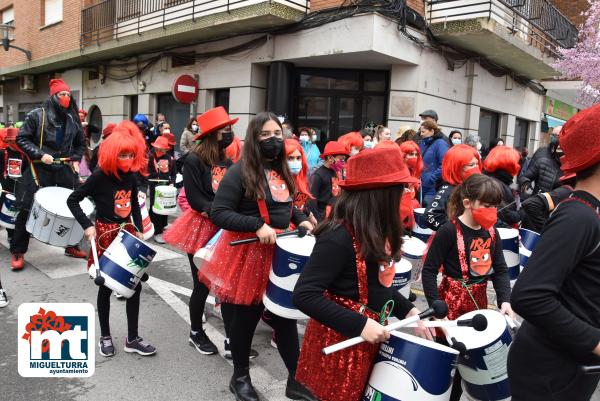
(559, 109)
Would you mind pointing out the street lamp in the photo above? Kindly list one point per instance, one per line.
(5, 28)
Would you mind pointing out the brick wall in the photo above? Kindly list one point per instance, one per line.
(572, 9)
(316, 5)
(52, 40)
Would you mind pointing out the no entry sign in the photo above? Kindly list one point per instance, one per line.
(185, 89)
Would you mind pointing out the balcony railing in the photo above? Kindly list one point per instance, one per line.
(535, 21)
(115, 19)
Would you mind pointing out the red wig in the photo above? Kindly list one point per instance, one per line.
(411, 147)
(455, 161)
(292, 145)
(352, 139)
(503, 158)
(234, 151)
(3, 145)
(125, 138)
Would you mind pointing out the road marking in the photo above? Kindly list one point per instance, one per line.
(270, 388)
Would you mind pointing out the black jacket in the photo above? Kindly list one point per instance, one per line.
(536, 209)
(436, 213)
(544, 170)
(73, 143)
(507, 215)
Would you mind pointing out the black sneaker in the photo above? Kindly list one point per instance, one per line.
(140, 346)
(296, 391)
(106, 346)
(202, 343)
(227, 347)
(3, 298)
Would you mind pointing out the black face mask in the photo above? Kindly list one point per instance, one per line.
(271, 148)
(226, 139)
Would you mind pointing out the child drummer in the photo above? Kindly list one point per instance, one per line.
(13, 164)
(113, 188)
(163, 171)
(346, 286)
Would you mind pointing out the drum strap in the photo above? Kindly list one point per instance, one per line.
(5, 162)
(42, 128)
(264, 212)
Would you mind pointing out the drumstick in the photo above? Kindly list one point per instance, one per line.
(591, 370)
(300, 232)
(438, 309)
(56, 161)
(513, 324)
(478, 322)
(157, 180)
(99, 280)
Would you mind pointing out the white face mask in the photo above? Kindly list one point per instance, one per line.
(295, 166)
(314, 138)
(456, 141)
(368, 145)
(194, 128)
(304, 138)
(166, 131)
(353, 151)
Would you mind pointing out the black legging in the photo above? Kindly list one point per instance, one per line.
(244, 319)
(198, 298)
(132, 308)
(159, 220)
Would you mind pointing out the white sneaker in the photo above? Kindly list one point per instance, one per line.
(3, 299)
(159, 239)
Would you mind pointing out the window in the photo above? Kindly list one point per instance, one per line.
(488, 126)
(222, 98)
(521, 128)
(8, 18)
(53, 11)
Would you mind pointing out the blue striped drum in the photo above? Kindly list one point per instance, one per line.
(291, 254)
(483, 368)
(409, 368)
(529, 240)
(420, 229)
(124, 262)
(8, 214)
(204, 254)
(402, 278)
(510, 246)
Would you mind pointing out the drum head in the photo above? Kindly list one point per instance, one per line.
(403, 266)
(413, 246)
(296, 245)
(506, 233)
(54, 200)
(496, 325)
(423, 342)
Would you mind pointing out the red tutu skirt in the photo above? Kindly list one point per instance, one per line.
(190, 232)
(105, 234)
(343, 375)
(238, 274)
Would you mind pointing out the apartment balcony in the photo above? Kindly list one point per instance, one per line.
(145, 25)
(522, 35)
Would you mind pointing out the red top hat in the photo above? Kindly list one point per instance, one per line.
(580, 140)
(161, 143)
(376, 168)
(170, 137)
(212, 120)
(11, 134)
(333, 148)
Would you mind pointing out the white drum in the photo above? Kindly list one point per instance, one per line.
(291, 254)
(402, 277)
(420, 229)
(148, 227)
(510, 246)
(165, 200)
(8, 214)
(50, 220)
(413, 250)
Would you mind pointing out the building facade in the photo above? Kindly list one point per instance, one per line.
(479, 64)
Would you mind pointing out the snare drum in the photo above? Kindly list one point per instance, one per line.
(483, 368)
(529, 240)
(413, 250)
(50, 220)
(420, 229)
(409, 368)
(147, 225)
(205, 253)
(291, 254)
(8, 214)
(402, 278)
(165, 200)
(510, 246)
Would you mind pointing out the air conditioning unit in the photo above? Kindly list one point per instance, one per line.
(28, 83)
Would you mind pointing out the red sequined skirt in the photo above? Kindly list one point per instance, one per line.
(238, 274)
(105, 234)
(458, 299)
(190, 232)
(343, 375)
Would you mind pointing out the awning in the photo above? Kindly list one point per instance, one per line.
(554, 122)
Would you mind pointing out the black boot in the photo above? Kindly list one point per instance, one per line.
(296, 391)
(241, 386)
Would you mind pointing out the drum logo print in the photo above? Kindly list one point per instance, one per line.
(62, 230)
(122, 203)
(56, 340)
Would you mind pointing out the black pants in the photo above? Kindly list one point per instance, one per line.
(198, 298)
(244, 319)
(160, 221)
(132, 308)
(55, 175)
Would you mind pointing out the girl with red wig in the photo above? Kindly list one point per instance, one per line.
(298, 165)
(502, 164)
(163, 170)
(459, 163)
(353, 141)
(113, 188)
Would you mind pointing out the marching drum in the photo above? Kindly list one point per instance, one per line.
(124, 263)
(420, 229)
(510, 246)
(8, 214)
(165, 200)
(147, 225)
(50, 220)
(291, 254)
(409, 368)
(483, 368)
(402, 278)
(205, 253)
(529, 240)
(413, 250)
